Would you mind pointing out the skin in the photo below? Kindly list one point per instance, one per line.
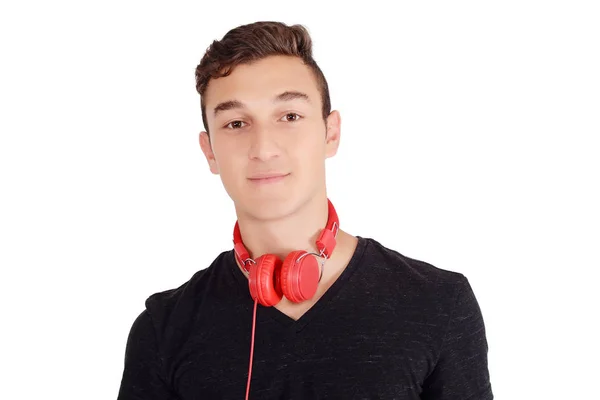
(264, 133)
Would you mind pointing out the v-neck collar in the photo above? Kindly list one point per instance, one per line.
(323, 302)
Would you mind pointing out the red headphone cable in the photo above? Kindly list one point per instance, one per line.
(251, 350)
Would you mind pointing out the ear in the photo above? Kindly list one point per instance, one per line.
(206, 147)
(332, 140)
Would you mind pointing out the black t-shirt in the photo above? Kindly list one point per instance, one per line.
(390, 327)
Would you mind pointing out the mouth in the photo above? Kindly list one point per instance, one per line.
(267, 179)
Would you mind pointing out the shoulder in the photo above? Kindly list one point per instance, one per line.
(413, 285)
(417, 272)
(169, 298)
(441, 299)
(173, 306)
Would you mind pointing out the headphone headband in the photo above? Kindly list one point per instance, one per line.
(325, 243)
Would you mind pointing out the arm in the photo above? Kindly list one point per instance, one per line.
(461, 372)
(142, 375)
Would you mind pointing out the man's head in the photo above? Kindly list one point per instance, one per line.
(266, 109)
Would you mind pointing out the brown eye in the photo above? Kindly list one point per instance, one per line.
(234, 125)
(292, 117)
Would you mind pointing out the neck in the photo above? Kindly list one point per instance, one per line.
(294, 229)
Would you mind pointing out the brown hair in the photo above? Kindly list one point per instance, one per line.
(252, 42)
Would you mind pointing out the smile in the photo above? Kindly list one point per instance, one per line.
(268, 180)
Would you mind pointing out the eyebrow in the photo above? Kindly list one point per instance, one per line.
(285, 96)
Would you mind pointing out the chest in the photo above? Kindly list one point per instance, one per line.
(294, 311)
(326, 358)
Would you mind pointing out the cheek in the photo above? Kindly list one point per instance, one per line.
(227, 150)
(231, 162)
(309, 155)
(314, 146)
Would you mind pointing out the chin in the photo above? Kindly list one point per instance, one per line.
(268, 206)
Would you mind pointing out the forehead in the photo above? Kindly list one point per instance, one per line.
(261, 80)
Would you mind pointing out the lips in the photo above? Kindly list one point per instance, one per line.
(267, 178)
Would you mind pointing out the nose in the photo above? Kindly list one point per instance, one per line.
(263, 145)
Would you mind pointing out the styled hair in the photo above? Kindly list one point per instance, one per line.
(252, 42)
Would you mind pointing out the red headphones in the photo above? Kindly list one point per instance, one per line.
(297, 277)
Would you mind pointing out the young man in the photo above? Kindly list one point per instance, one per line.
(298, 308)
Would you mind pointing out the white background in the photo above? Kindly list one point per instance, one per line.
(469, 140)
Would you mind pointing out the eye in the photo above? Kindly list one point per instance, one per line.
(294, 117)
(235, 125)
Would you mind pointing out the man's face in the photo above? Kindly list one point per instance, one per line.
(266, 118)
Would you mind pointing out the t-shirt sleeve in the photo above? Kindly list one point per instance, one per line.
(142, 377)
(461, 371)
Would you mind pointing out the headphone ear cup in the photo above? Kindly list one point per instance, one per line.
(299, 280)
(264, 282)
